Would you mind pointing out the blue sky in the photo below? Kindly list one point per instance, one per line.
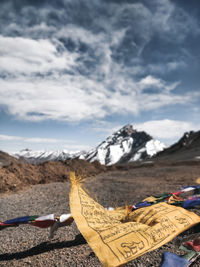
(72, 72)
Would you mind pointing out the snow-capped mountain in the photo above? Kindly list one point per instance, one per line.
(125, 145)
(40, 156)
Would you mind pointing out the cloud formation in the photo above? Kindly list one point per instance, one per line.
(169, 129)
(23, 56)
(74, 98)
(88, 60)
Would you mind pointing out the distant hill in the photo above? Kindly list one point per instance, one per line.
(6, 159)
(187, 148)
(36, 157)
(16, 175)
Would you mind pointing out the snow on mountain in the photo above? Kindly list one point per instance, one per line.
(42, 156)
(124, 145)
(151, 148)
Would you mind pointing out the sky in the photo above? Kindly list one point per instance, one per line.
(72, 71)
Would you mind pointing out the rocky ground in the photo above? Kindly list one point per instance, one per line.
(30, 246)
(15, 175)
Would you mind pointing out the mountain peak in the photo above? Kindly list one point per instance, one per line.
(127, 130)
(25, 150)
(125, 145)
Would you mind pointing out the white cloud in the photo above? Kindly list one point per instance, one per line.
(9, 138)
(74, 98)
(24, 55)
(149, 81)
(166, 129)
(152, 82)
(30, 139)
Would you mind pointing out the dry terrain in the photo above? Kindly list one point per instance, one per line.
(125, 184)
(16, 175)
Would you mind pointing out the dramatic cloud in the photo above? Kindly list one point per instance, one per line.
(74, 98)
(25, 56)
(82, 60)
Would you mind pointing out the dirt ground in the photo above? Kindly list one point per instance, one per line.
(30, 246)
(16, 175)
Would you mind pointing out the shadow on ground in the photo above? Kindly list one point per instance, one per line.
(42, 248)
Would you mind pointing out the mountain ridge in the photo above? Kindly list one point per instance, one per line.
(187, 147)
(125, 145)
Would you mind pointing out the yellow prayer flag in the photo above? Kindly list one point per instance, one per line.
(117, 236)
